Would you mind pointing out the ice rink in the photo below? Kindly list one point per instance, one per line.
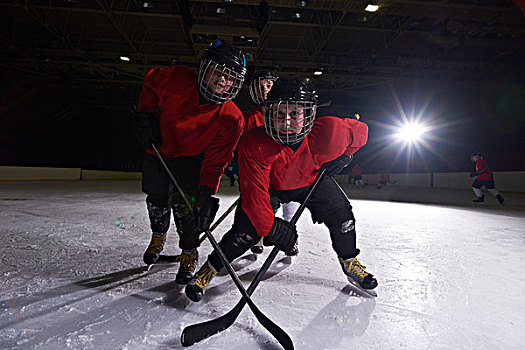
(451, 275)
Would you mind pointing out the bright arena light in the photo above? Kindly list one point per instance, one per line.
(411, 132)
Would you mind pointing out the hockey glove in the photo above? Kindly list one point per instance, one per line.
(283, 235)
(335, 166)
(208, 207)
(474, 173)
(146, 129)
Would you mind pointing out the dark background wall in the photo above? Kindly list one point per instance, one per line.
(48, 124)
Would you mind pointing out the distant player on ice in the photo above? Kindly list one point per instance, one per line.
(197, 126)
(484, 177)
(281, 160)
(232, 172)
(384, 179)
(357, 175)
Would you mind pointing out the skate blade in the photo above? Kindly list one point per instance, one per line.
(357, 287)
(287, 260)
(187, 302)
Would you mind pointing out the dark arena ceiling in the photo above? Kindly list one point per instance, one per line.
(76, 45)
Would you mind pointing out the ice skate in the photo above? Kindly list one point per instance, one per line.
(156, 245)
(500, 199)
(196, 288)
(479, 200)
(357, 275)
(188, 263)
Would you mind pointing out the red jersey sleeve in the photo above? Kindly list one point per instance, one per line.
(254, 119)
(359, 136)
(256, 154)
(150, 92)
(220, 151)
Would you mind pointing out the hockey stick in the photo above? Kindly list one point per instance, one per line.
(200, 331)
(173, 258)
(279, 334)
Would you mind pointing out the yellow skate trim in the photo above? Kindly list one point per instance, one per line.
(188, 262)
(156, 245)
(354, 267)
(204, 276)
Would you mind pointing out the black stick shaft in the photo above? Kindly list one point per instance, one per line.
(200, 331)
(279, 334)
(221, 219)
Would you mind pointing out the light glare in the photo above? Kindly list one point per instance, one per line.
(371, 8)
(410, 132)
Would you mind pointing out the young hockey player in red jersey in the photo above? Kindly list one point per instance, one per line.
(384, 179)
(197, 127)
(484, 177)
(260, 85)
(281, 160)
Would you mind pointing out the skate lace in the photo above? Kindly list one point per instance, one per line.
(188, 262)
(203, 277)
(356, 268)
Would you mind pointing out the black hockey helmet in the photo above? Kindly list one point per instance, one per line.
(291, 107)
(475, 154)
(221, 60)
(256, 90)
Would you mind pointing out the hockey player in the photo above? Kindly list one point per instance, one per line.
(282, 159)
(231, 171)
(197, 126)
(484, 177)
(383, 180)
(357, 174)
(260, 85)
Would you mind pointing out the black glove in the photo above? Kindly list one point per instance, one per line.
(146, 129)
(208, 207)
(335, 166)
(283, 235)
(475, 173)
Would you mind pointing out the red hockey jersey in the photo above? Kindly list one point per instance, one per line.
(357, 170)
(385, 177)
(264, 163)
(485, 174)
(188, 128)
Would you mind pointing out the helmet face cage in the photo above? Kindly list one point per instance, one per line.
(259, 88)
(288, 122)
(218, 83)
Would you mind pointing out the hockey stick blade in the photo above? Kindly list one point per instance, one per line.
(200, 331)
(279, 334)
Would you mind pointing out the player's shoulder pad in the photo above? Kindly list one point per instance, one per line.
(158, 74)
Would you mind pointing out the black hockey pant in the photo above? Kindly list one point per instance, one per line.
(328, 205)
(163, 195)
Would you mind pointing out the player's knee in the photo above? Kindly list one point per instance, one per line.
(341, 220)
(157, 201)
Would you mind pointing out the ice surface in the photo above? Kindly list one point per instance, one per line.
(450, 276)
